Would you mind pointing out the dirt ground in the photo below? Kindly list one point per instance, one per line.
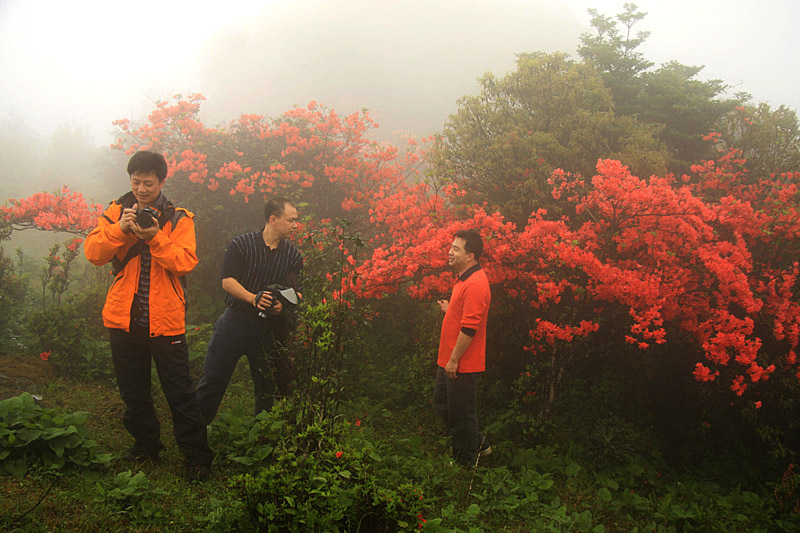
(23, 373)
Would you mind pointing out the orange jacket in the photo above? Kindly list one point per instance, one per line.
(173, 255)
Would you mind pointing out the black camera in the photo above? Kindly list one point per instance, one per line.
(286, 295)
(146, 217)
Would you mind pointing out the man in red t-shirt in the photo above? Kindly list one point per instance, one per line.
(462, 348)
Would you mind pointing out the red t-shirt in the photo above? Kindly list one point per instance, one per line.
(468, 308)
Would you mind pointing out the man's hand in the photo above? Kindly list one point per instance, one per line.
(128, 219)
(451, 368)
(443, 305)
(265, 303)
(145, 233)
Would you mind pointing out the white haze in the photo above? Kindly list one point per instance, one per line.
(407, 61)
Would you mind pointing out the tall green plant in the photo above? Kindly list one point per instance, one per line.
(12, 296)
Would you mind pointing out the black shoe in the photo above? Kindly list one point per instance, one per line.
(140, 455)
(197, 473)
(484, 448)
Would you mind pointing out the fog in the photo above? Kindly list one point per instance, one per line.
(84, 64)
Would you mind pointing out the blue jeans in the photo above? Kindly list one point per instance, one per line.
(236, 334)
(456, 403)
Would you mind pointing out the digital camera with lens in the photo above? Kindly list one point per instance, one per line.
(146, 217)
(286, 295)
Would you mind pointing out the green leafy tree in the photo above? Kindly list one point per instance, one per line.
(768, 139)
(672, 97)
(550, 112)
(612, 51)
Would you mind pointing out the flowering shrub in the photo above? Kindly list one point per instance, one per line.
(660, 255)
(709, 256)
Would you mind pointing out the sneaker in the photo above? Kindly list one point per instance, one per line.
(197, 473)
(484, 449)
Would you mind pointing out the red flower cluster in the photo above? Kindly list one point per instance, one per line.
(709, 256)
(62, 211)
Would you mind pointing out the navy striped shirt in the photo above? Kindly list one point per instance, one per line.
(142, 296)
(255, 265)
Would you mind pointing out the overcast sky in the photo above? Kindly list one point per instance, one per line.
(407, 61)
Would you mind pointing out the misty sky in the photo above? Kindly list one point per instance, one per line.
(407, 61)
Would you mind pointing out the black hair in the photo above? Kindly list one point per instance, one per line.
(276, 207)
(147, 163)
(473, 244)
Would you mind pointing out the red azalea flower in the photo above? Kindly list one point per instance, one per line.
(44, 355)
(338, 454)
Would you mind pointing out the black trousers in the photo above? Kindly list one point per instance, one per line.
(456, 403)
(259, 339)
(131, 353)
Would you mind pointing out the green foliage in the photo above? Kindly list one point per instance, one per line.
(502, 145)
(768, 139)
(787, 492)
(312, 478)
(130, 495)
(197, 337)
(33, 438)
(613, 52)
(62, 332)
(12, 298)
(248, 440)
(671, 98)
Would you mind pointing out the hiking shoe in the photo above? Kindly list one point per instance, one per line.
(197, 473)
(484, 449)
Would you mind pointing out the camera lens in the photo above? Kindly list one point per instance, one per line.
(144, 219)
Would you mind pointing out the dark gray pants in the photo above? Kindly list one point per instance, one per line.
(236, 334)
(456, 403)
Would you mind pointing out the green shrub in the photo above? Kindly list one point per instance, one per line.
(332, 490)
(130, 495)
(318, 477)
(63, 333)
(12, 298)
(36, 438)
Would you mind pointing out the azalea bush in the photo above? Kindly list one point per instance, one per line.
(652, 254)
(695, 274)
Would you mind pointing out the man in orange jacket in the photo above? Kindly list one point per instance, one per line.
(151, 244)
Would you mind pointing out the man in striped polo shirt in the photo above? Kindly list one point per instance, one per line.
(254, 323)
(462, 349)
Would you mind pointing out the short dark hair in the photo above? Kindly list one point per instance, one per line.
(473, 244)
(276, 207)
(147, 163)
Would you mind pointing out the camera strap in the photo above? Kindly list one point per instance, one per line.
(168, 213)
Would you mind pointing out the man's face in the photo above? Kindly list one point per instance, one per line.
(458, 258)
(146, 188)
(286, 224)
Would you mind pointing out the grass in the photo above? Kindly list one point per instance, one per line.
(66, 502)
(514, 489)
